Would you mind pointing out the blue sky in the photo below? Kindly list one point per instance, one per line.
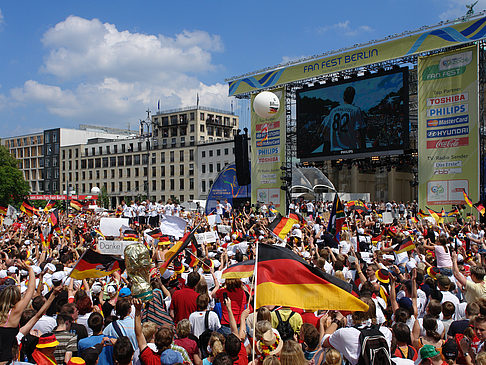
(66, 63)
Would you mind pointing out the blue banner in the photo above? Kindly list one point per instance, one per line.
(226, 187)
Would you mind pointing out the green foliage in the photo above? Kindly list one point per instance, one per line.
(103, 198)
(13, 187)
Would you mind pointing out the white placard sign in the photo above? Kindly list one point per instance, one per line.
(224, 229)
(206, 237)
(387, 218)
(108, 247)
(111, 226)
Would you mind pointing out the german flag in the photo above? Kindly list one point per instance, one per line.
(54, 218)
(49, 206)
(392, 231)
(421, 214)
(358, 205)
(295, 216)
(466, 198)
(76, 204)
(96, 265)
(376, 239)
(175, 250)
(191, 256)
(3, 210)
(336, 219)
(414, 220)
(406, 245)
(98, 232)
(27, 209)
(480, 208)
(307, 288)
(240, 270)
(281, 226)
(156, 233)
(435, 215)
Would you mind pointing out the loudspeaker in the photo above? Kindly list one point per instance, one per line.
(241, 159)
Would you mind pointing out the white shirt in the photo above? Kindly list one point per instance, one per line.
(219, 209)
(197, 322)
(45, 324)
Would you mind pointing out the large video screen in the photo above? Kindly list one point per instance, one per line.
(357, 117)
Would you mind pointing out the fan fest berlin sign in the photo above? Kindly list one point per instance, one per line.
(452, 35)
(448, 133)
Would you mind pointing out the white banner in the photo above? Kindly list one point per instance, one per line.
(113, 247)
(224, 229)
(111, 226)
(206, 237)
(173, 226)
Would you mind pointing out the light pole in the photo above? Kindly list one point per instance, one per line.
(148, 123)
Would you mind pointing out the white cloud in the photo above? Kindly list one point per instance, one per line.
(2, 19)
(109, 76)
(345, 28)
(457, 8)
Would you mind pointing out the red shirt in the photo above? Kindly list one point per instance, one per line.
(183, 303)
(310, 317)
(242, 356)
(238, 303)
(149, 357)
(189, 345)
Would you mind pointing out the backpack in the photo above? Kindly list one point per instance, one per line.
(284, 327)
(205, 336)
(374, 348)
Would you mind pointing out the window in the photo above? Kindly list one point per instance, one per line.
(154, 185)
(154, 158)
(129, 187)
(112, 173)
(130, 149)
(120, 186)
(171, 170)
(137, 173)
(181, 198)
(121, 161)
(112, 161)
(191, 155)
(162, 170)
(201, 116)
(165, 121)
(112, 187)
(144, 158)
(201, 128)
(191, 169)
(83, 174)
(97, 163)
(128, 172)
(191, 115)
(210, 183)
(181, 156)
(136, 160)
(108, 149)
(171, 156)
(211, 130)
(191, 184)
(172, 184)
(181, 170)
(203, 168)
(191, 128)
(162, 185)
(91, 175)
(210, 153)
(100, 149)
(145, 171)
(120, 173)
(105, 174)
(97, 174)
(203, 154)
(173, 142)
(226, 151)
(154, 171)
(128, 160)
(183, 141)
(90, 163)
(105, 162)
(218, 167)
(210, 168)
(218, 152)
(162, 157)
(123, 150)
(115, 150)
(137, 185)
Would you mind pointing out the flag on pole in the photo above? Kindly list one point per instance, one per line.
(175, 250)
(307, 288)
(453, 212)
(435, 215)
(480, 207)
(54, 218)
(76, 204)
(296, 217)
(466, 198)
(27, 209)
(421, 214)
(96, 265)
(49, 206)
(336, 219)
(281, 226)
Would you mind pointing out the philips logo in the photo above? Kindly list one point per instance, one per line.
(455, 61)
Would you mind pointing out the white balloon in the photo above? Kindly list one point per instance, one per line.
(266, 104)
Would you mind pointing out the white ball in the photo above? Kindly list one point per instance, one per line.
(266, 104)
(95, 190)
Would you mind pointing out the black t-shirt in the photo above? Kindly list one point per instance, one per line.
(80, 330)
(458, 327)
(107, 308)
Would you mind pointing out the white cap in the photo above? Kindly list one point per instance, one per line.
(3, 274)
(50, 267)
(260, 238)
(296, 225)
(57, 276)
(12, 269)
(234, 236)
(37, 270)
(460, 258)
(361, 230)
(411, 264)
(26, 242)
(297, 233)
(227, 238)
(111, 289)
(231, 253)
(96, 288)
(24, 273)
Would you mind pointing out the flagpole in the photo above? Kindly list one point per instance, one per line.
(77, 262)
(255, 285)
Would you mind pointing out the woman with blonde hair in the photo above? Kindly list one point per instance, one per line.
(216, 346)
(292, 354)
(333, 357)
(12, 305)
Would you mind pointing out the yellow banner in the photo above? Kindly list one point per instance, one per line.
(267, 155)
(448, 130)
(472, 30)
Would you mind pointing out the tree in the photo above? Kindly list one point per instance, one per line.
(103, 198)
(13, 187)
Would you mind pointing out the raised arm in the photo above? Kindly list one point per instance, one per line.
(142, 343)
(457, 274)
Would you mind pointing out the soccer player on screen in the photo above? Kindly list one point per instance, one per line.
(345, 124)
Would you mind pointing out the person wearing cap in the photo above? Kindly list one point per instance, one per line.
(44, 350)
(428, 355)
(476, 287)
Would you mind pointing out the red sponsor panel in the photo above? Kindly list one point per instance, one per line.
(448, 143)
(63, 197)
(268, 126)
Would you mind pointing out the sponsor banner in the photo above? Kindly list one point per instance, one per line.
(442, 122)
(451, 35)
(63, 197)
(113, 247)
(448, 154)
(267, 155)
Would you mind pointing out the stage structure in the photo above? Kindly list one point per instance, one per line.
(359, 107)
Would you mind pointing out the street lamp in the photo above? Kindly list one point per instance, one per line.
(148, 123)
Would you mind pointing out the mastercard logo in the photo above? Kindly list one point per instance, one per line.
(432, 123)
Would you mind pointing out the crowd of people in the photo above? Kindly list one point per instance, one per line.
(427, 304)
